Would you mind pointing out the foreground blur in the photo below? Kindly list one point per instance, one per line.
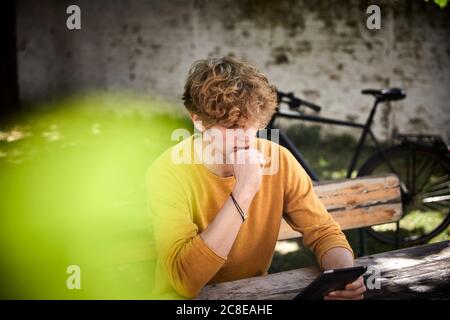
(72, 192)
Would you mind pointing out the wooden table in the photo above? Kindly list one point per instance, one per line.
(421, 272)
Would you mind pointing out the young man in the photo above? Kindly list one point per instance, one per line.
(216, 209)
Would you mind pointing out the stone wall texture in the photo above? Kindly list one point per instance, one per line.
(319, 49)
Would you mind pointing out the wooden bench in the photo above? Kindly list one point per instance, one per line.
(357, 203)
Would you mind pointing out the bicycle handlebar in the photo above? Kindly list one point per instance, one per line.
(294, 102)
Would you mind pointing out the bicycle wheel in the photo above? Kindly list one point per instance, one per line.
(425, 186)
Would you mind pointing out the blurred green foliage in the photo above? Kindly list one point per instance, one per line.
(72, 192)
(441, 3)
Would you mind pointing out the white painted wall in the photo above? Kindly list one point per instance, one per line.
(319, 49)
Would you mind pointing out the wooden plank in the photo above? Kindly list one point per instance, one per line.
(356, 203)
(417, 272)
(353, 218)
(429, 281)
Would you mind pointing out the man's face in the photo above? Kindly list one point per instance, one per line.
(226, 141)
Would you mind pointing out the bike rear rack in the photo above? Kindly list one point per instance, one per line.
(433, 140)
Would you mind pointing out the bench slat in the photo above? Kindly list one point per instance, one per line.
(356, 203)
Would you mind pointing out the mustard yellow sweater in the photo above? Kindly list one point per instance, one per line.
(184, 199)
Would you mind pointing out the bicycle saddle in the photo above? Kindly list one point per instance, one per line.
(391, 94)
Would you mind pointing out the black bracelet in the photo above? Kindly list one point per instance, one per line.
(243, 215)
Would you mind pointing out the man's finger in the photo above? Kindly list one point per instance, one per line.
(348, 293)
(360, 297)
(355, 284)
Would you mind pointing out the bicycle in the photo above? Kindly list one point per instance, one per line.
(422, 162)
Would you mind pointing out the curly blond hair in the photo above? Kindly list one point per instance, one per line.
(229, 93)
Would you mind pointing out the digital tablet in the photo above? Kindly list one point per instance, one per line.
(330, 280)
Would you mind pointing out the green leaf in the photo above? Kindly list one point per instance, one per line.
(441, 3)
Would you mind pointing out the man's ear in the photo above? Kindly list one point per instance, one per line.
(197, 123)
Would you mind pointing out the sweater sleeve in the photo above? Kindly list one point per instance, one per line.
(187, 260)
(305, 212)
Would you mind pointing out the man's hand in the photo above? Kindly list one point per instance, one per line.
(247, 169)
(353, 291)
(337, 258)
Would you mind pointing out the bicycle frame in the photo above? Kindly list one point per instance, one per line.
(366, 127)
